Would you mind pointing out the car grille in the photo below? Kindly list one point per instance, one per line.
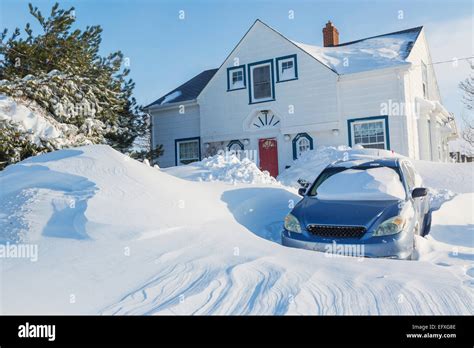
(337, 231)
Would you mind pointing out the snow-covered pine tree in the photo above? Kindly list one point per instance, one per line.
(61, 70)
(14, 144)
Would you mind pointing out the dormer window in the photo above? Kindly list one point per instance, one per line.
(286, 68)
(236, 78)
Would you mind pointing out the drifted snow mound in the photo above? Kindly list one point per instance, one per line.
(229, 169)
(93, 183)
(126, 238)
(312, 163)
(455, 177)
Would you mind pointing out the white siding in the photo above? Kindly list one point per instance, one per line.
(169, 125)
(418, 131)
(371, 94)
(313, 96)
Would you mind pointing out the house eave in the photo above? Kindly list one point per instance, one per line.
(168, 106)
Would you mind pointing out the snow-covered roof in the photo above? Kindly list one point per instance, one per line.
(187, 91)
(371, 53)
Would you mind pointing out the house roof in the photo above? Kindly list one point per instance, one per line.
(375, 52)
(187, 91)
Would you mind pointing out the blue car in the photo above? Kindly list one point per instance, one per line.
(361, 207)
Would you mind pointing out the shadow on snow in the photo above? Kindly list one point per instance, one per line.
(261, 210)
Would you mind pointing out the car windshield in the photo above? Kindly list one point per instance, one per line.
(359, 183)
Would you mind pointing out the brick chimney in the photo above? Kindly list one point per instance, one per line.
(330, 35)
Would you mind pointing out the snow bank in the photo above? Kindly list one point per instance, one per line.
(127, 238)
(462, 146)
(371, 184)
(229, 169)
(456, 177)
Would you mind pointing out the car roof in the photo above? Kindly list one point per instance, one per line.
(369, 162)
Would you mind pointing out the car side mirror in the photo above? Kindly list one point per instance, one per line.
(419, 192)
(302, 191)
(303, 183)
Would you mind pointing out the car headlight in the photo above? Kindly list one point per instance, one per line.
(292, 224)
(391, 226)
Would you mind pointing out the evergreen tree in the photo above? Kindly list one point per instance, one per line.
(61, 70)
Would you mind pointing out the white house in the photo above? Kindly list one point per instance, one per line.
(278, 98)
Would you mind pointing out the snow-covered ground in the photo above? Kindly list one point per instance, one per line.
(116, 236)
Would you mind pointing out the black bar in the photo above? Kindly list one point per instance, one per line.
(223, 330)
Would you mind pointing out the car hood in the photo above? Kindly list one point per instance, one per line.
(344, 213)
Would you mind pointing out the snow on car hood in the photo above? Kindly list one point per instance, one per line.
(359, 185)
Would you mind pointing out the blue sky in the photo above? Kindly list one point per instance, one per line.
(165, 51)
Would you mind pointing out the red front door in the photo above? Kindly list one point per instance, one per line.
(268, 153)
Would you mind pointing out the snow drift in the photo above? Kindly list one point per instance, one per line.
(229, 169)
(116, 236)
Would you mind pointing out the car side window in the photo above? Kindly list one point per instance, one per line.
(409, 176)
(417, 178)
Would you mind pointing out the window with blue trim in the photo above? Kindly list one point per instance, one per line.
(235, 145)
(302, 142)
(370, 134)
(187, 151)
(261, 81)
(236, 78)
(286, 68)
